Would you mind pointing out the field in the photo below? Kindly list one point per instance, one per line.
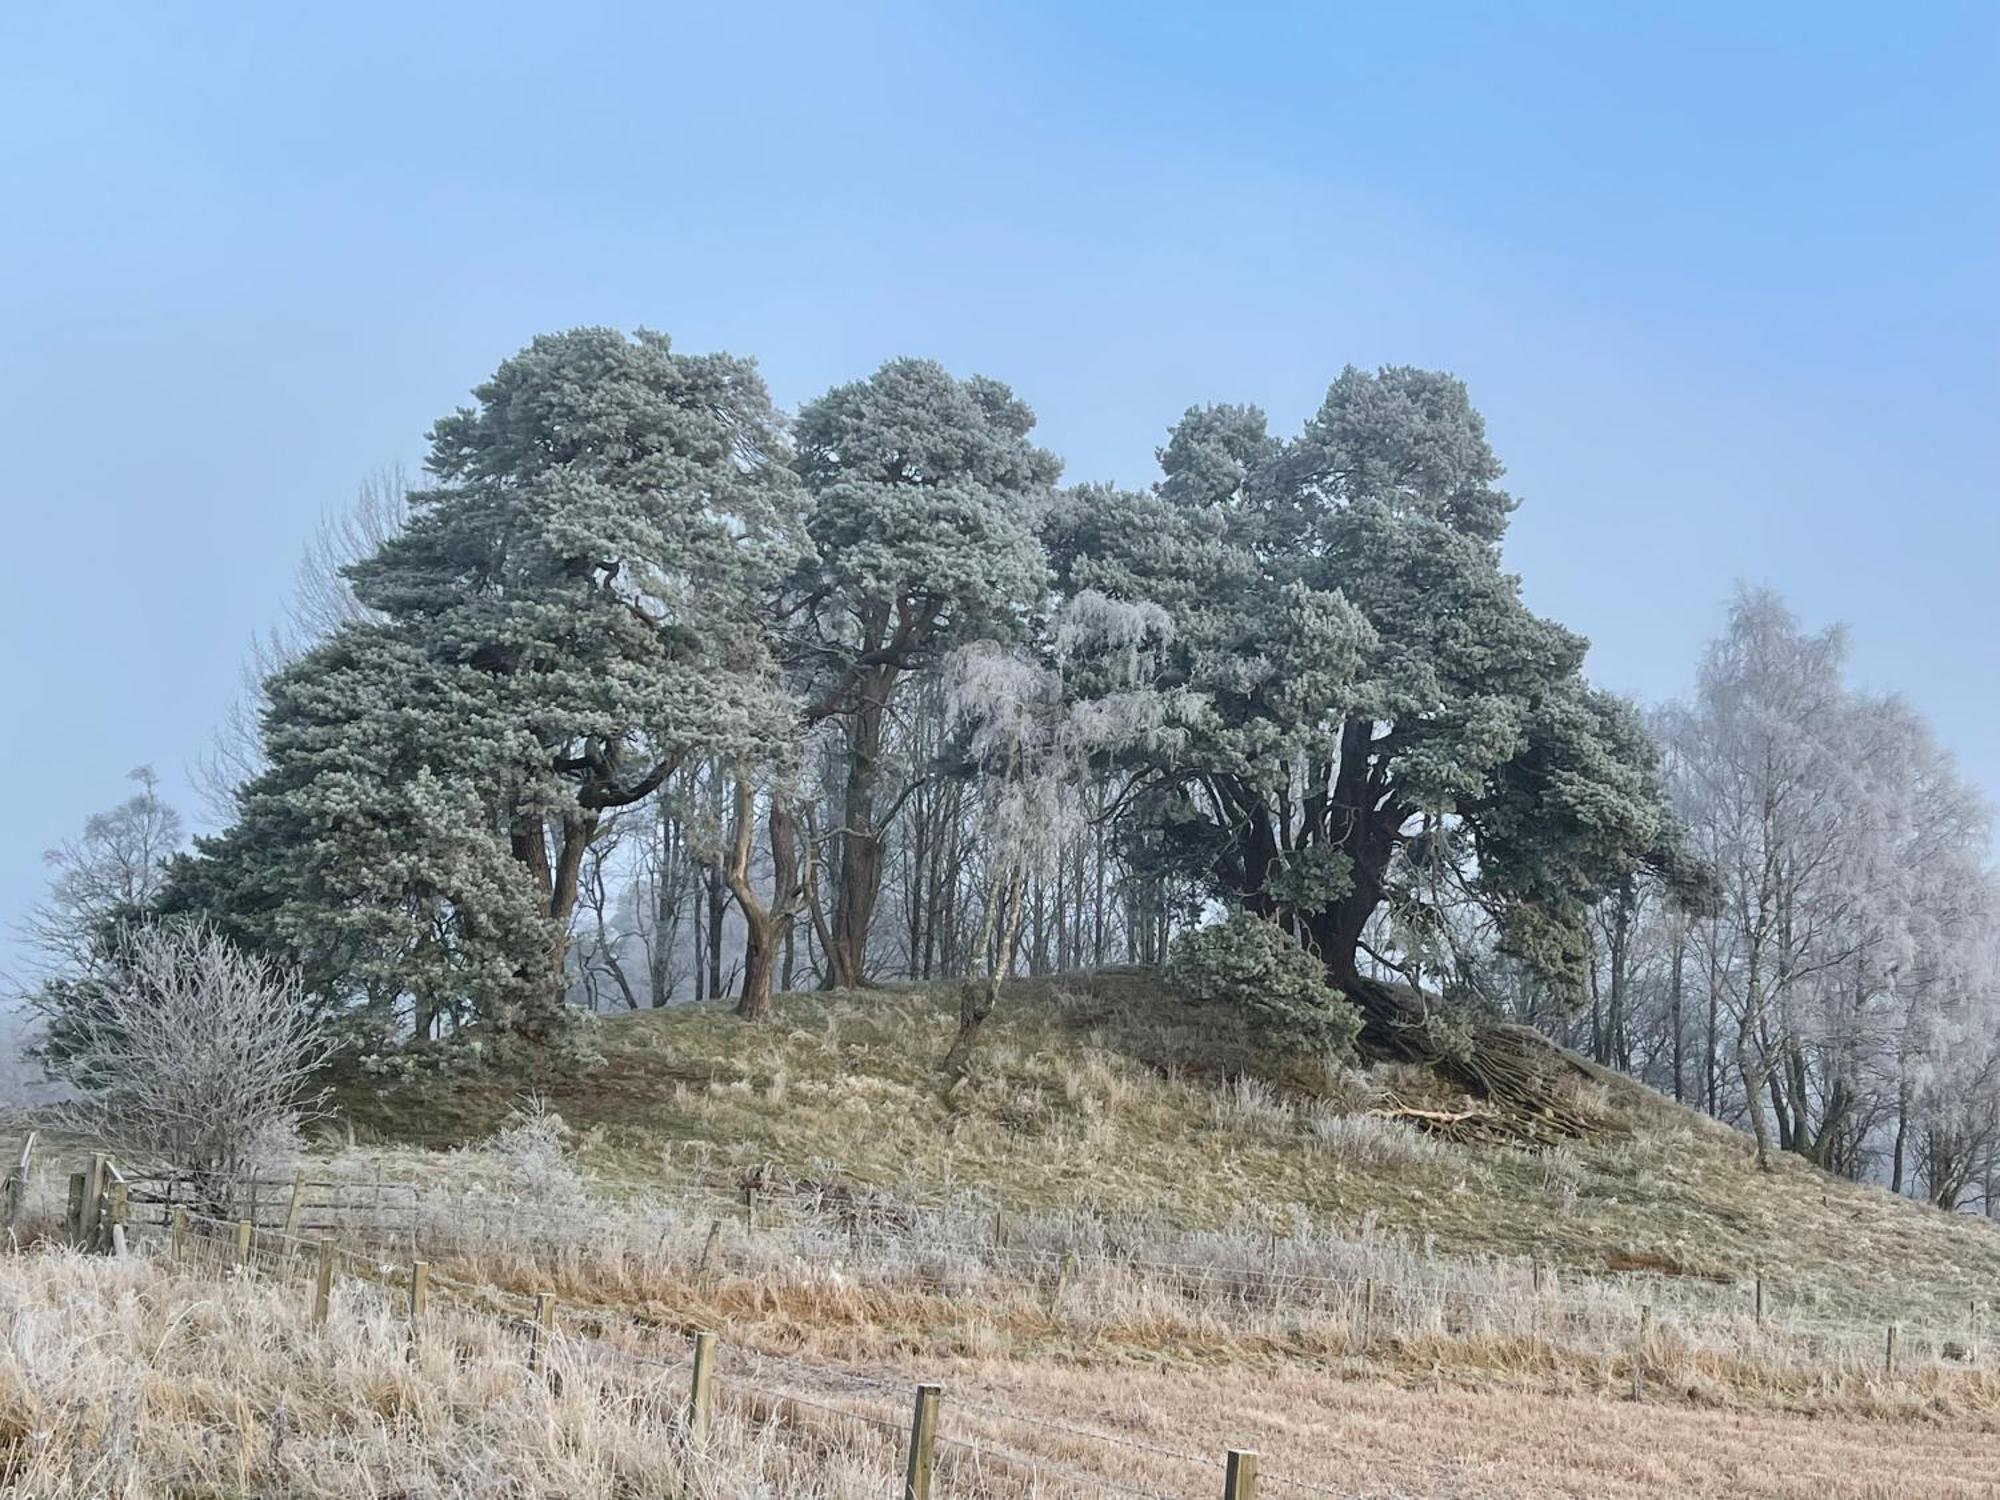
(1120, 1251)
(138, 1379)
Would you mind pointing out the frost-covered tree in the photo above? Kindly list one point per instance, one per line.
(115, 866)
(322, 602)
(1387, 726)
(1839, 998)
(1032, 729)
(925, 491)
(574, 610)
(195, 1054)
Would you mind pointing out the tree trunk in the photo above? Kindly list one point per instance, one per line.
(1676, 988)
(1753, 1096)
(767, 927)
(858, 870)
(1902, 1138)
(999, 928)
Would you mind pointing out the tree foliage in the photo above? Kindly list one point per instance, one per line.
(573, 611)
(925, 496)
(1251, 964)
(1384, 722)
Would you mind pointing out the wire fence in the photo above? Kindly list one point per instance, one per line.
(990, 1443)
(1368, 1296)
(975, 1460)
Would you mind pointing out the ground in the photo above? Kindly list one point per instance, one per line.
(1131, 1241)
(1110, 1091)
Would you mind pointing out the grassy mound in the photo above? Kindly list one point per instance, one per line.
(1107, 1091)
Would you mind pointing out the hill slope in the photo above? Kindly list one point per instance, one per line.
(1107, 1091)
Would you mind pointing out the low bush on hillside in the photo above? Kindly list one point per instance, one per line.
(1257, 967)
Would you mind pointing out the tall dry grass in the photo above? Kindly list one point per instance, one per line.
(119, 1379)
(826, 1266)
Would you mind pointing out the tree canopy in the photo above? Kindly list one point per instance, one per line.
(925, 497)
(1381, 722)
(573, 611)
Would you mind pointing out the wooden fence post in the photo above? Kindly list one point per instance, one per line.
(1239, 1475)
(73, 1213)
(179, 1220)
(1889, 1352)
(292, 1208)
(93, 1202)
(117, 1204)
(538, 1338)
(245, 1232)
(420, 1296)
(1760, 1299)
(17, 1183)
(323, 1282)
(923, 1444)
(700, 1400)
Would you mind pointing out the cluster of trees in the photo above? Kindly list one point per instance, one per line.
(1841, 997)
(653, 693)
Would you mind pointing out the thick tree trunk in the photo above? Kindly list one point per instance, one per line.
(558, 882)
(859, 845)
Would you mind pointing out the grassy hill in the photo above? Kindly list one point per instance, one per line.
(1108, 1091)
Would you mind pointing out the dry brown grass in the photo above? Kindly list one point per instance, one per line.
(1370, 1440)
(139, 1379)
(1179, 1264)
(1108, 1094)
(122, 1379)
(117, 1380)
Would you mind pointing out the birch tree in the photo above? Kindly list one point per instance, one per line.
(1032, 728)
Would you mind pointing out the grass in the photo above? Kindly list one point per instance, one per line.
(118, 1379)
(1107, 1093)
(1128, 1242)
(136, 1379)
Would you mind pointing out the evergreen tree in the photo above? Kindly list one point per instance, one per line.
(925, 495)
(1384, 725)
(574, 610)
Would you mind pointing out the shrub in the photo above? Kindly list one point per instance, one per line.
(195, 1053)
(1257, 967)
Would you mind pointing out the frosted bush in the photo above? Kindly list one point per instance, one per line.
(1255, 966)
(529, 1158)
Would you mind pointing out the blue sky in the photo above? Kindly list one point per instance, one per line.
(1722, 277)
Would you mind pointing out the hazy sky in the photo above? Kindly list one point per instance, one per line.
(1722, 277)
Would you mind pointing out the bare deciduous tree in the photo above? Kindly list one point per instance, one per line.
(115, 866)
(193, 1053)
